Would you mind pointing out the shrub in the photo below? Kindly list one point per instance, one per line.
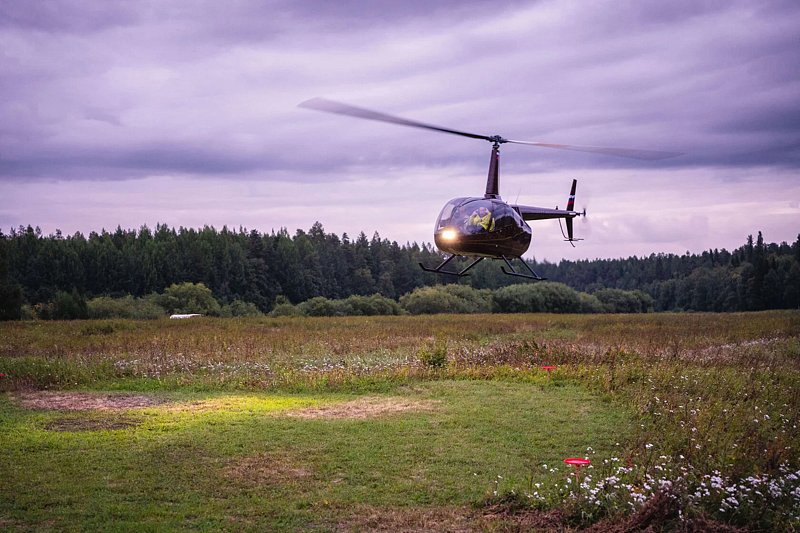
(125, 307)
(352, 306)
(321, 306)
(283, 307)
(286, 310)
(372, 305)
(447, 299)
(558, 298)
(66, 306)
(189, 298)
(542, 297)
(590, 303)
(621, 301)
(434, 354)
(27, 312)
(240, 308)
(519, 298)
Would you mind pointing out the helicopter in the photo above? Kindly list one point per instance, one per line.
(487, 227)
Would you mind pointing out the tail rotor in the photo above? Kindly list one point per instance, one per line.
(569, 236)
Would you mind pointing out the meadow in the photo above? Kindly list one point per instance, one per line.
(445, 422)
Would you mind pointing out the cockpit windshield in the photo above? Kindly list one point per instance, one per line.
(472, 215)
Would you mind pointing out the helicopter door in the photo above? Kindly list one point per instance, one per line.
(504, 218)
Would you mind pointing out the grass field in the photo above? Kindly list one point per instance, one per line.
(401, 423)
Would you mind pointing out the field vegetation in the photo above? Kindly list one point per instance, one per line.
(402, 422)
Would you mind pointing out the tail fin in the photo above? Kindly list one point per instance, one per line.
(571, 200)
(571, 207)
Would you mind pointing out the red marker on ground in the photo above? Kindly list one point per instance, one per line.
(548, 368)
(577, 462)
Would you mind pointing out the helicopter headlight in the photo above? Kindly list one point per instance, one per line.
(449, 234)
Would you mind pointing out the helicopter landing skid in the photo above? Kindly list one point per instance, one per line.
(438, 269)
(533, 275)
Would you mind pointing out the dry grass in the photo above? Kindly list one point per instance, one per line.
(265, 470)
(92, 424)
(367, 407)
(83, 401)
(410, 520)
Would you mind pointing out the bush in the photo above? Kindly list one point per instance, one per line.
(66, 306)
(321, 306)
(286, 310)
(542, 297)
(189, 298)
(519, 298)
(125, 307)
(283, 307)
(434, 354)
(240, 308)
(352, 306)
(558, 298)
(447, 299)
(590, 303)
(620, 301)
(372, 305)
(27, 312)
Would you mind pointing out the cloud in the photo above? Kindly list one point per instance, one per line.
(205, 93)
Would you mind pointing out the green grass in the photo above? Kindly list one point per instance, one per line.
(171, 471)
(706, 402)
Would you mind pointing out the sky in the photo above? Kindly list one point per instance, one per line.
(185, 112)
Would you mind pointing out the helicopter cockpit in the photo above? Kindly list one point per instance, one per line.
(472, 216)
(485, 227)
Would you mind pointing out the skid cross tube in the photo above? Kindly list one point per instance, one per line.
(438, 269)
(533, 275)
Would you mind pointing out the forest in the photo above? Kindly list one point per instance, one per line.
(265, 269)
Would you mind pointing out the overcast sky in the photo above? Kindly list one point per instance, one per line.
(185, 112)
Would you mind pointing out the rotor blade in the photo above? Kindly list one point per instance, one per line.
(619, 152)
(329, 106)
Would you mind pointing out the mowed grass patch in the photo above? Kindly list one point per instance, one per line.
(220, 460)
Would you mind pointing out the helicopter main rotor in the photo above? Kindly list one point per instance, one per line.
(329, 106)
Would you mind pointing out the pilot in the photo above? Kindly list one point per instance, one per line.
(482, 217)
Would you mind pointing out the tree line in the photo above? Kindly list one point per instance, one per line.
(265, 269)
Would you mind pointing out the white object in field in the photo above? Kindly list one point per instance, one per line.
(190, 315)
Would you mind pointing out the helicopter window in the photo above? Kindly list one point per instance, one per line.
(476, 216)
(504, 216)
(446, 217)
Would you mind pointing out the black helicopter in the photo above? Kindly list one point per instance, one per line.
(487, 227)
